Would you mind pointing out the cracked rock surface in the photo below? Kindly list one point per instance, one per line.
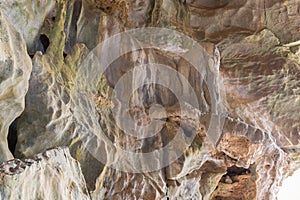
(151, 99)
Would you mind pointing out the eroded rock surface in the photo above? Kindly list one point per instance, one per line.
(15, 68)
(48, 116)
(232, 132)
(53, 174)
(28, 17)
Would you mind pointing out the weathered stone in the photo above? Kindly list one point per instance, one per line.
(53, 174)
(15, 68)
(48, 116)
(241, 152)
(28, 18)
(251, 84)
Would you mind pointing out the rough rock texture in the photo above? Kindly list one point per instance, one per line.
(53, 174)
(28, 18)
(275, 90)
(49, 104)
(232, 132)
(15, 68)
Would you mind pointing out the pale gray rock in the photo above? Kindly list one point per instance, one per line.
(48, 119)
(15, 68)
(28, 18)
(53, 174)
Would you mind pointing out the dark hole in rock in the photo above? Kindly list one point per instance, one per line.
(12, 136)
(11, 169)
(45, 42)
(235, 171)
(232, 172)
(65, 55)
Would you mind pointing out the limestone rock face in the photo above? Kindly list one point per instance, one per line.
(158, 99)
(49, 104)
(15, 68)
(53, 174)
(28, 18)
(257, 87)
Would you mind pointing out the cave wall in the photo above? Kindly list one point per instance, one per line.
(158, 99)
